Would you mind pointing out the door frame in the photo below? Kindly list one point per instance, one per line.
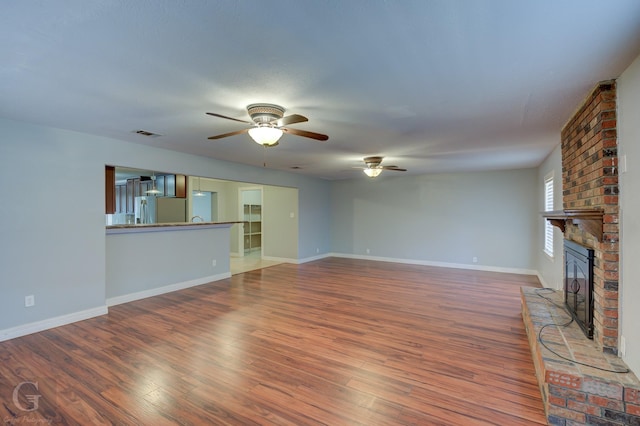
(241, 218)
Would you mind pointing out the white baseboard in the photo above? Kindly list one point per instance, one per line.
(439, 264)
(279, 259)
(312, 258)
(542, 281)
(35, 327)
(296, 261)
(112, 301)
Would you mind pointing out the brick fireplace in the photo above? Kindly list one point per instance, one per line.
(590, 180)
(583, 381)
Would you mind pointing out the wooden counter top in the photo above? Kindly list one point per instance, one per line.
(155, 227)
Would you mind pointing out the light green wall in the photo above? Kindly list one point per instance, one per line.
(629, 177)
(440, 218)
(550, 270)
(280, 222)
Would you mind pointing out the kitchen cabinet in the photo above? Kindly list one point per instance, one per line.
(145, 186)
(110, 186)
(181, 186)
(136, 187)
(160, 184)
(130, 197)
(121, 198)
(175, 186)
(252, 227)
(123, 195)
(170, 185)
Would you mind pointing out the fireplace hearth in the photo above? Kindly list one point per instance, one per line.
(582, 391)
(578, 284)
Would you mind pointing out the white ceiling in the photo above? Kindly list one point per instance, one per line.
(432, 85)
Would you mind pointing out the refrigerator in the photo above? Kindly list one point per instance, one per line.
(151, 209)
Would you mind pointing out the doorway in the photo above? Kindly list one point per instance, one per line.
(273, 231)
(251, 213)
(251, 241)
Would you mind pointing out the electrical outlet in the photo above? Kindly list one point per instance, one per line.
(368, 251)
(214, 263)
(29, 301)
(317, 250)
(475, 259)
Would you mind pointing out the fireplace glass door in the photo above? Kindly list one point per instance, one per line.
(578, 284)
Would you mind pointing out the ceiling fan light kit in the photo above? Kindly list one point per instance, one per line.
(374, 168)
(265, 135)
(269, 123)
(372, 172)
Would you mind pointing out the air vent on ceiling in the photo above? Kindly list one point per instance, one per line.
(146, 133)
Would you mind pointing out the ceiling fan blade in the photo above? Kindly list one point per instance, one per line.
(396, 168)
(304, 133)
(291, 119)
(228, 118)
(224, 135)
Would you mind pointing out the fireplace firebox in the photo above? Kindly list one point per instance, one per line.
(578, 284)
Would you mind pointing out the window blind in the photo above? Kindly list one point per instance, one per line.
(548, 206)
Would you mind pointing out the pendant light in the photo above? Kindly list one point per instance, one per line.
(199, 193)
(154, 189)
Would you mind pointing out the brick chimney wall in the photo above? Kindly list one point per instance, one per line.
(590, 180)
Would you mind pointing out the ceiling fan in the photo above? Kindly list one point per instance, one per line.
(268, 125)
(373, 168)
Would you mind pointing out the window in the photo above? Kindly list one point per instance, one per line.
(548, 206)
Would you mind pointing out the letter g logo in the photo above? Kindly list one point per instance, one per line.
(32, 399)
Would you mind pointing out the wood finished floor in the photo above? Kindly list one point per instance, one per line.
(335, 342)
(249, 262)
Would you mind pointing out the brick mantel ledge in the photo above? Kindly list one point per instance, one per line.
(589, 220)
